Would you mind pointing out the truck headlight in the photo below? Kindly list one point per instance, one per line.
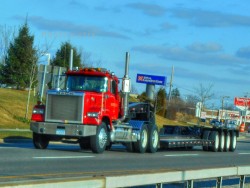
(93, 114)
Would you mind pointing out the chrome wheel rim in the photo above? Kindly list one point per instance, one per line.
(102, 138)
(155, 139)
(144, 138)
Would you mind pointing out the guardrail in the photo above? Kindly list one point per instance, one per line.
(157, 179)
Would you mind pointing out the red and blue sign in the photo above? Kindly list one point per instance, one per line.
(151, 79)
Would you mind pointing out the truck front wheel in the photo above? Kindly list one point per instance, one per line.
(98, 142)
(40, 141)
(141, 145)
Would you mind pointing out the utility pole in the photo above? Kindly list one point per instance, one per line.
(170, 86)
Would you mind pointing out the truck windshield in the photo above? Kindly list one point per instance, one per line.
(86, 83)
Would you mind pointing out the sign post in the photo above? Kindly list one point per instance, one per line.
(151, 81)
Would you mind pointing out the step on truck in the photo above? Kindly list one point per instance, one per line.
(92, 111)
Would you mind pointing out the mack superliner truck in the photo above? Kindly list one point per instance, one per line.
(93, 112)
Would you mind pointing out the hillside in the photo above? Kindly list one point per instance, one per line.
(13, 107)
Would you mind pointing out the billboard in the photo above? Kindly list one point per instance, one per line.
(151, 79)
(240, 101)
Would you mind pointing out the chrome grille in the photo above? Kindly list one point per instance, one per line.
(64, 108)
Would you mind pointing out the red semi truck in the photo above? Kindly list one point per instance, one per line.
(91, 110)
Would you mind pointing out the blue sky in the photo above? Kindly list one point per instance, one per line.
(207, 42)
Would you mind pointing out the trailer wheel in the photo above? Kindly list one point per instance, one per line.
(84, 143)
(153, 140)
(221, 141)
(205, 136)
(40, 141)
(227, 141)
(214, 136)
(141, 145)
(98, 142)
(233, 141)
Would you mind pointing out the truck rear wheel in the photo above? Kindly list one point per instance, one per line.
(214, 136)
(221, 141)
(153, 140)
(205, 136)
(40, 141)
(141, 145)
(227, 141)
(99, 141)
(233, 141)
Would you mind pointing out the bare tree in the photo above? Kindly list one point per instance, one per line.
(88, 61)
(7, 35)
(34, 70)
(204, 93)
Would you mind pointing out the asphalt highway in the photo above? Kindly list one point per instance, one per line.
(21, 162)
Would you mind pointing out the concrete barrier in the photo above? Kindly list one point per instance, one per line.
(143, 179)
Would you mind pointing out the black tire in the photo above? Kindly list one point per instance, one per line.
(233, 141)
(214, 136)
(221, 141)
(153, 139)
(84, 143)
(129, 146)
(205, 136)
(99, 141)
(40, 141)
(141, 145)
(227, 141)
(109, 146)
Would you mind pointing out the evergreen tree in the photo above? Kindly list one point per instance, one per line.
(20, 61)
(175, 93)
(161, 102)
(63, 54)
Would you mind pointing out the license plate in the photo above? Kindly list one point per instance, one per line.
(60, 131)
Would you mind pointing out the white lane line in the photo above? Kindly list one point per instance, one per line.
(63, 157)
(181, 155)
(244, 153)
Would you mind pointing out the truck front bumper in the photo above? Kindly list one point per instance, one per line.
(60, 129)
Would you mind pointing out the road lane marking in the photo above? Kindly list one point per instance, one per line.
(244, 153)
(181, 155)
(63, 157)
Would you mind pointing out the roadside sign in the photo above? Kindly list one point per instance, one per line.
(203, 115)
(151, 79)
(240, 101)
